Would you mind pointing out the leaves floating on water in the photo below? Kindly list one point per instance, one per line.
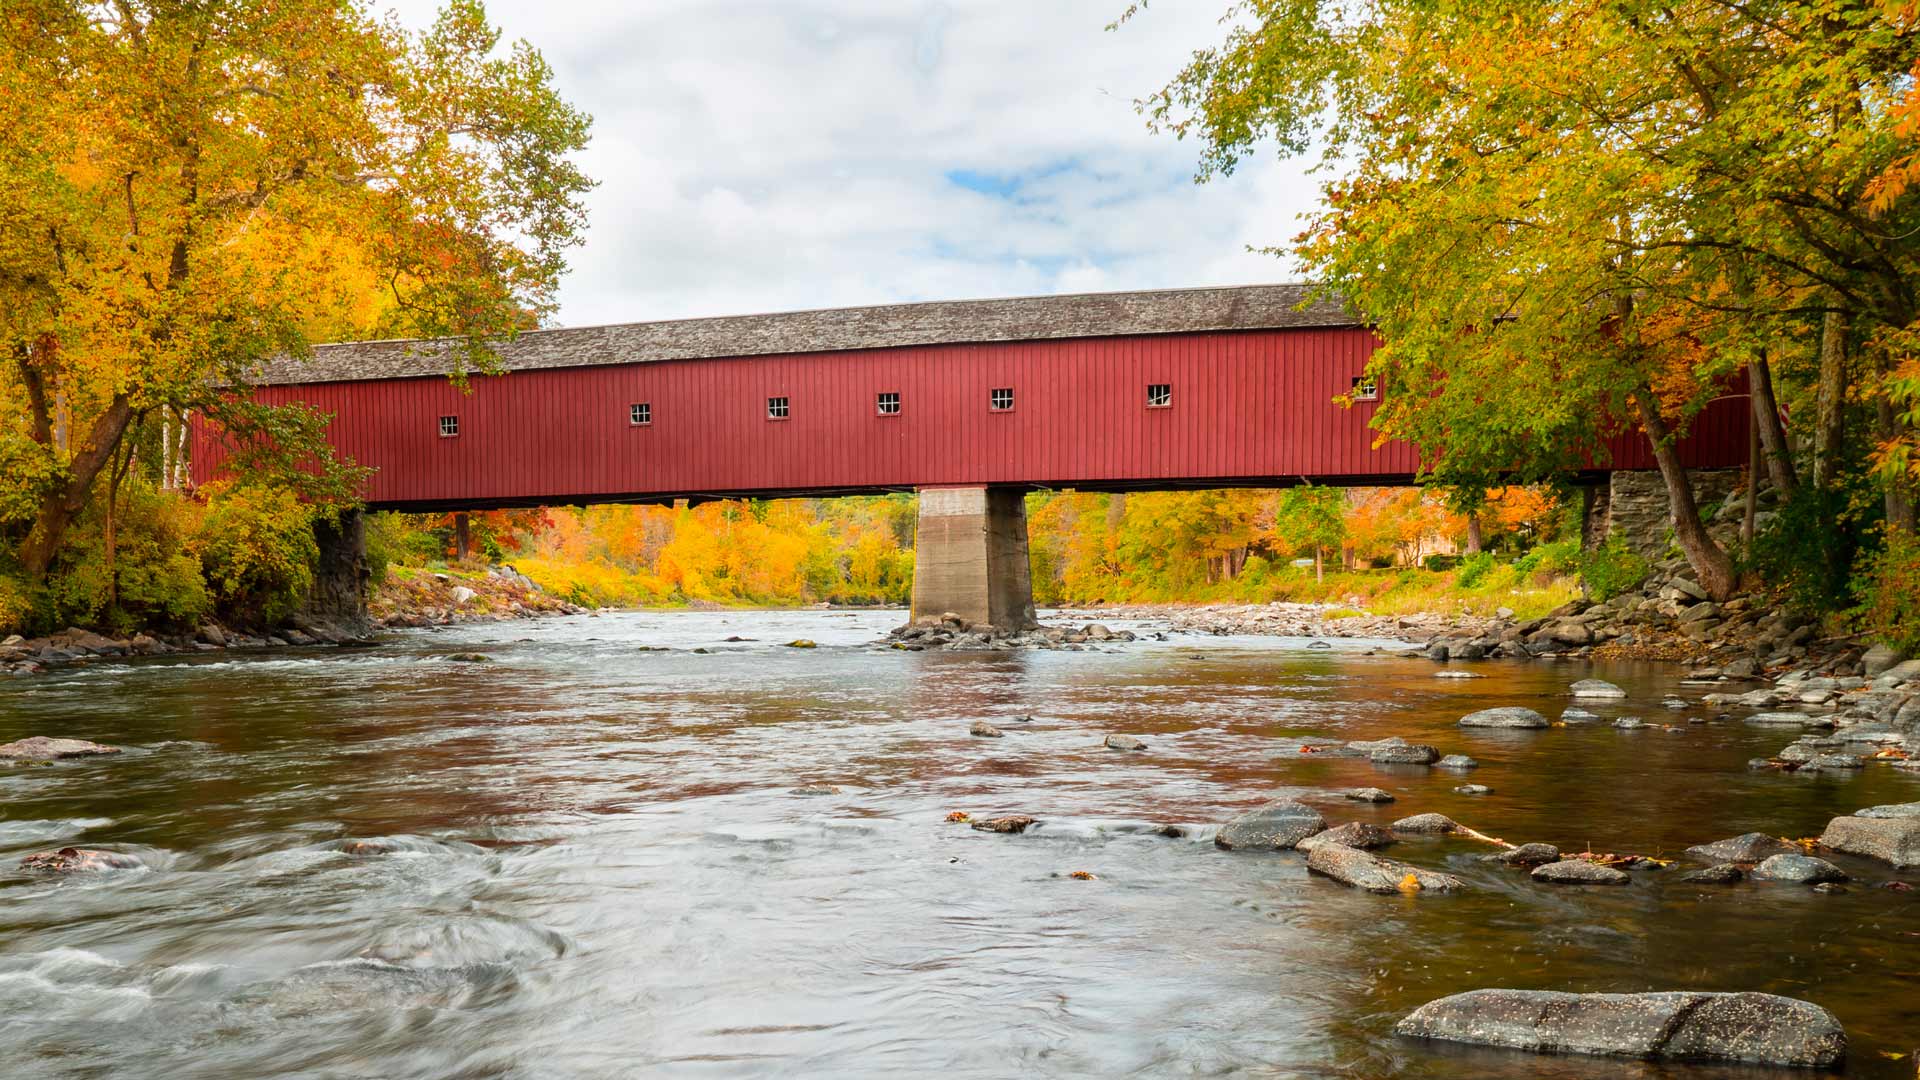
(1411, 883)
(959, 815)
(1083, 875)
(1309, 749)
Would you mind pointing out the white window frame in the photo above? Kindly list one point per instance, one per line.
(886, 403)
(640, 414)
(1366, 388)
(1161, 400)
(779, 408)
(993, 399)
(450, 426)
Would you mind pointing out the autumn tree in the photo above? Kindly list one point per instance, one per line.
(166, 170)
(1311, 518)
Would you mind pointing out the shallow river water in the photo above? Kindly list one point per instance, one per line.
(603, 870)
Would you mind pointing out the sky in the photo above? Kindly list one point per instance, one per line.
(770, 155)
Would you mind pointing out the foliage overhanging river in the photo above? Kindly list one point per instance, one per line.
(603, 869)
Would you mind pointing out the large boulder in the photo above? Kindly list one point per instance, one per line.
(1507, 716)
(1891, 840)
(1579, 872)
(1804, 869)
(1595, 688)
(1745, 848)
(1361, 870)
(1891, 810)
(1673, 1025)
(1880, 659)
(41, 748)
(1276, 826)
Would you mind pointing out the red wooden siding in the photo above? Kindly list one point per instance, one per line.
(1249, 408)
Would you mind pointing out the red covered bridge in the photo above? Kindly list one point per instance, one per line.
(1179, 388)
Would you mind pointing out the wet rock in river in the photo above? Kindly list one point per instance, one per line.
(1426, 823)
(1891, 810)
(1891, 840)
(1354, 834)
(1579, 872)
(817, 789)
(1629, 723)
(79, 861)
(42, 748)
(1368, 794)
(1789, 719)
(1527, 855)
(470, 658)
(985, 730)
(1595, 688)
(1676, 1025)
(1362, 870)
(1725, 873)
(1745, 848)
(1456, 761)
(1507, 716)
(1276, 826)
(1409, 754)
(1473, 789)
(1011, 823)
(1804, 869)
(1578, 716)
(1124, 742)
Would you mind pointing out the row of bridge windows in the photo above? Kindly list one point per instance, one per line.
(887, 403)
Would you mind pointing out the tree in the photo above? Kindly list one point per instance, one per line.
(1573, 218)
(1311, 518)
(165, 169)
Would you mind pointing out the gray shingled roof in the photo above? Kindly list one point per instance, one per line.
(1169, 311)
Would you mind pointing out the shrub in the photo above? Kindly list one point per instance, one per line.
(16, 605)
(1810, 547)
(1559, 557)
(1889, 591)
(258, 549)
(152, 580)
(1441, 562)
(1611, 569)
(1473, 568)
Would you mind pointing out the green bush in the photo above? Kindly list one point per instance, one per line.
(1440, 562)
(1810, 547)
(1559, 557)
(1473, 569)
(151, 581)
(1888, 587)
(1611, 569)
(259, 551)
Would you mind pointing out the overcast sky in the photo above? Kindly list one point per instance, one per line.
(765, 155)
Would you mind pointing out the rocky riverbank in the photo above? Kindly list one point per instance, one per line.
(411, 598)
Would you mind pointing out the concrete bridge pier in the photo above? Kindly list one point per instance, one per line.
(970, 558)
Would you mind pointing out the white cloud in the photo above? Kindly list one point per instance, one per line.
(758, 155)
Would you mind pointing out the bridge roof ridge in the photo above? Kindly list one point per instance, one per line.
(873, 326)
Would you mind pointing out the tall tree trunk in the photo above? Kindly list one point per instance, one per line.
(1473, 534)
(1319, 573)
(1830, 427)
(1899, 489)
(58, 508)
(1773, 435)
(1710, 564)
(1753, 484)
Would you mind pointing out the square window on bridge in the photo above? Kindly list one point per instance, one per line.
(1365, 388)
(776, 408)
(640, 413)
(449, 426)
(1159, 395)
(887, 404)
(1000, 399)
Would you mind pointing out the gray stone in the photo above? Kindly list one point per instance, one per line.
(1413, 754)
(1578, 716)
(1579, 872)
(1880, 659)
(1509, 716)
(79, 861)
(1804, 869)
(1891, 840)
(1629, 723)
(1354, 834)
(1595, 688)
(1745, 848)
(42, 748)
(1788, 719)
(1837, 762)
(1366, 746)
(1361, 870)
(1527, 855)
(1891, 810)
(1426, 823)
(985, 730)
(1276, 826)
(1905, 672)
(1368, 794)
(1717, 874)
(1674, 1025)
(1473, 789)
(1456, 761)
(1012, 823)
(1124, 742)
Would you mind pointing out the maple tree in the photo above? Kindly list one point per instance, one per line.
(187, 190)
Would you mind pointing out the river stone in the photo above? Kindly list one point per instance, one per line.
(1788, 719)
(1414, 754)
(1368, 794)
(1426, 823)
(1012, 823)
(1801, 868)
(817, 789)
(1354, 834)
(1361, 870)
(1578, 716)
(79, 861)
(41, 748)
(1507, 716)
(1879, 660)
(1456, 761)
(1891, 810)
(1891, 840)
(1745, 848)
(1124, 742)
(1580, 872)
(985, 730)
(1473, 789)
(1527, 855)
(1629, 723)
(1725, 873)
(1276, 826)
(1368, 746)
(1675, 1025)
(1595, 688)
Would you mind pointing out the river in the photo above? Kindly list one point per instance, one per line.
(601, 868)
